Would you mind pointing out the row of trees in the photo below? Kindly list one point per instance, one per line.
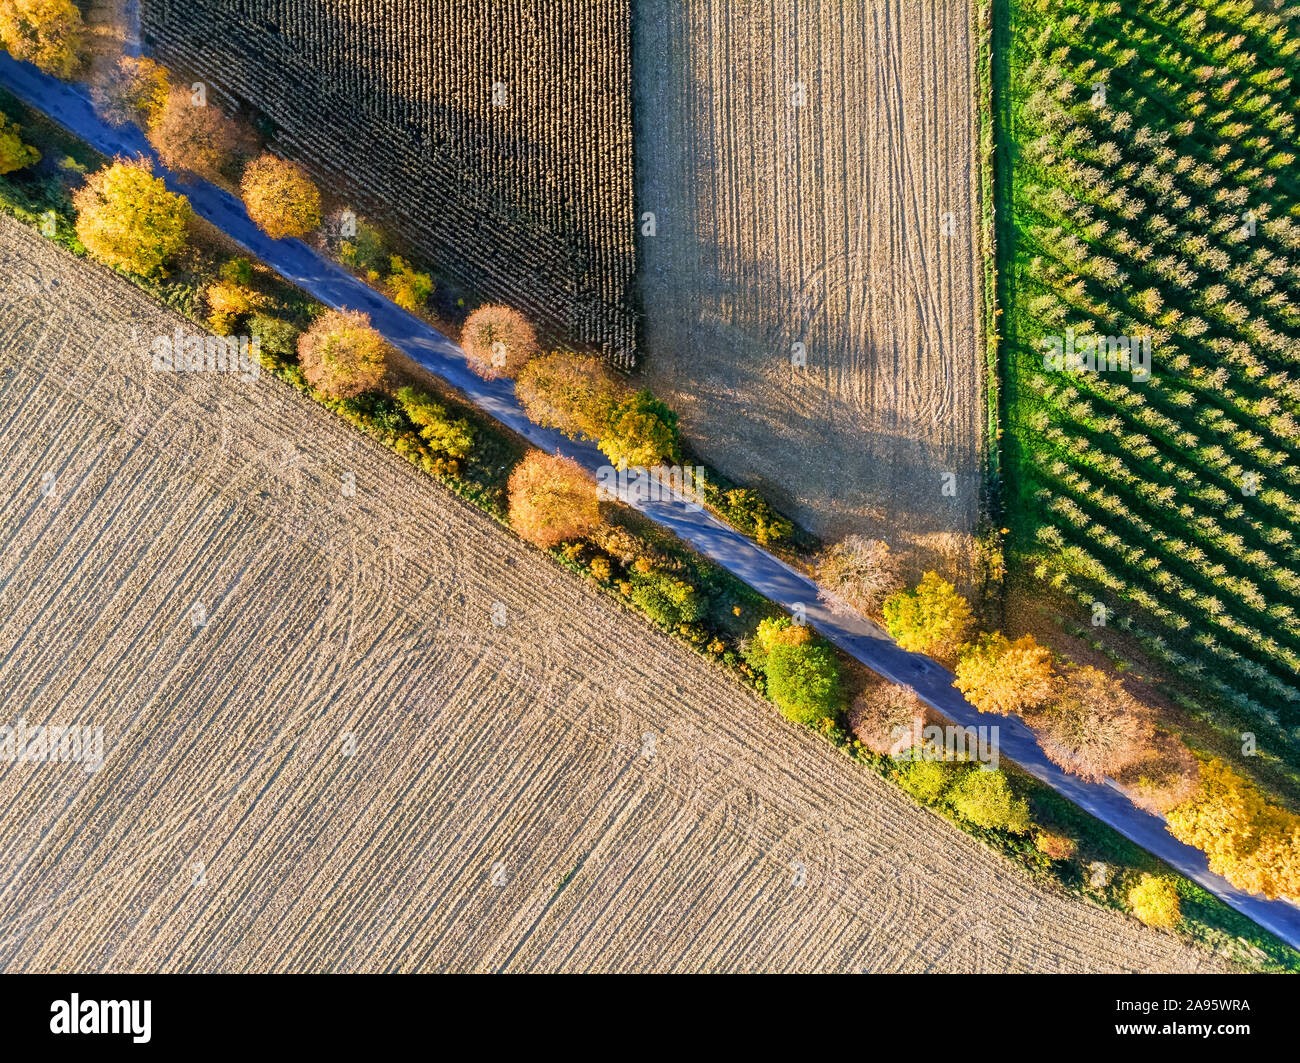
(1086, 721)
(194, 137)
(1151, 190)
(128, 219)
(888, 719)
(190, 134)
(1153, 197)
(1089, 725)
(577, 394)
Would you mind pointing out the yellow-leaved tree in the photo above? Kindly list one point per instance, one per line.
(986, 799)
(641, 432)
(1154, 900)
(998, 675)
(931, 618)
(128, 219)
(280, 197)
(1255, 845)
(14, 154)
(409, 288)
(233, 297)
(46, 33)
(575, 393)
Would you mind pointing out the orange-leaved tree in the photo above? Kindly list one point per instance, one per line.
(498, 341)
(552, 499)
(194, 138)
(342, 355)
(128, 219)
(280, 197)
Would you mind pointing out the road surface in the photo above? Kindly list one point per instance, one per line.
(331, 284)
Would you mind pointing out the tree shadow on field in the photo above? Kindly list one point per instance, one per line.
(812, 438)
(826, 461)
(876, 434)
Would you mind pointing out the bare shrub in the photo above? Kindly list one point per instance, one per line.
(884, 717)
(1167, 776)
(1094, 727)
(860, 573)
(135, 90)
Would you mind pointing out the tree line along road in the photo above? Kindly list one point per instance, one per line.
(69, 106)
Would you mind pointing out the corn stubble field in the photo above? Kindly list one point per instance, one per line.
(348, 766)
(822, 224)
(445, 118)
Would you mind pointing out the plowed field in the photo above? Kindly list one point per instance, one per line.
(345, 764)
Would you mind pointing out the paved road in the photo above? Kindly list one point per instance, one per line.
(334, 286)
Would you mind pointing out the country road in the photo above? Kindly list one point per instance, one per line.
(334, 286)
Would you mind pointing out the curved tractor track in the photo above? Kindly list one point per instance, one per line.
(348, 766)
(813, 169)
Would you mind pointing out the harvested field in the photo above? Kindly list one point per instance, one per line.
(348, 766)
(821, 224)
(496, 138)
